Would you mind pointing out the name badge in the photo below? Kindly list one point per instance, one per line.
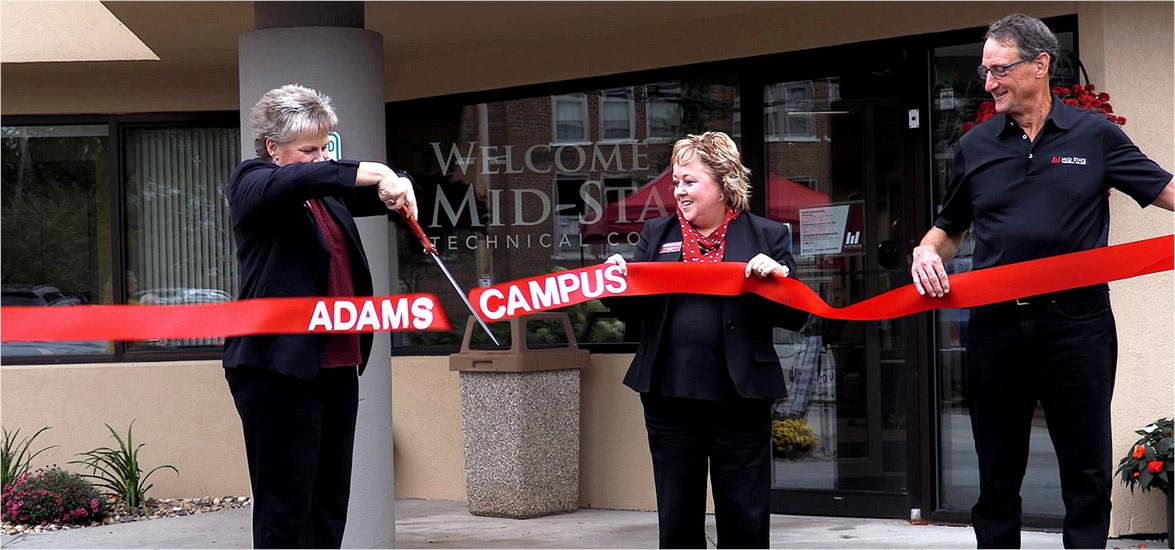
(670, 247)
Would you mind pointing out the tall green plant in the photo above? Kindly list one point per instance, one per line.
(15, 455)
(118, 470)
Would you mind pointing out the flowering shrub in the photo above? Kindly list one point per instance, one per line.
(52, 496)
(1148, 463)
(792, 438)
(1077, 95)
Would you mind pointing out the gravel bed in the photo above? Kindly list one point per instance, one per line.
(155, 509)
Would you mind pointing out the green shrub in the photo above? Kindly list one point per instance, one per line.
(15, 457)
(118, 470)
(52, 496)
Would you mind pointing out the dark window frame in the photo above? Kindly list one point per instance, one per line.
(117, 126)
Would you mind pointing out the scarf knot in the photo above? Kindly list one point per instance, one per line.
(705, 249)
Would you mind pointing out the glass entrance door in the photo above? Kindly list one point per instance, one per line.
(836, 172)
(957, 95)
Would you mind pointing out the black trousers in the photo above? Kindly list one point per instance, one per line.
(299, 436)
(1062, 354)
(734, 438)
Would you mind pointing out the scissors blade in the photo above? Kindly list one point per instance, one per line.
(432, 251)
(468, 305)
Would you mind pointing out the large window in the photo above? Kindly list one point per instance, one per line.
(179, 246)
(55, 210)
(64, 246)
(665, 110)
(616, 114)
(570, 119)
(524, 186)
(789, 108)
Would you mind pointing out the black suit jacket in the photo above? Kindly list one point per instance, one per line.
(747, 319)
(281, 252)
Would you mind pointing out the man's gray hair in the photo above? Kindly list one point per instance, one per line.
(1029, 34)
(285, 113)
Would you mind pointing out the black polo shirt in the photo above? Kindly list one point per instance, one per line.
(1028, 199)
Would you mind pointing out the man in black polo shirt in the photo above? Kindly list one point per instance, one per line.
(1032, 182)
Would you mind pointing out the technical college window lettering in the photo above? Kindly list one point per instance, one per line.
(527, 186)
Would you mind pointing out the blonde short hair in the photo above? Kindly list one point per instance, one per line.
(720, 156)
(285, 113)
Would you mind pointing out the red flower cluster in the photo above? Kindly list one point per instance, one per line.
(1148, 463)
(1085, 98)
(1077, 95)
(51, 496)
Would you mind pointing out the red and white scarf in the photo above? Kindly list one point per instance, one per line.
(705, 249)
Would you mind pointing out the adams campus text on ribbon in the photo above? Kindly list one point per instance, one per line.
(567, 288)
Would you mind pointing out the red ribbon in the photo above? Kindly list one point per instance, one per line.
(567, 288)
(259, 316)
(974, 288)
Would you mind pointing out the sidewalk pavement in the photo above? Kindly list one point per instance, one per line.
(448, 524)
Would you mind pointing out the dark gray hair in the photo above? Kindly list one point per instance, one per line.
(1029, 34)
(285, 113)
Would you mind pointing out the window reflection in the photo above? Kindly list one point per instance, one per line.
(179, 243)
(956, 95)
(55, 210)
(835, 176)
(516, 188)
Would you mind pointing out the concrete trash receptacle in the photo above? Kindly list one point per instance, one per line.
(520, 419)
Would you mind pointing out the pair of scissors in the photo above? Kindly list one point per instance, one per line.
(432, 251)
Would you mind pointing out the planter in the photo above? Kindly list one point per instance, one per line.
(1170, 515)
(520, 419)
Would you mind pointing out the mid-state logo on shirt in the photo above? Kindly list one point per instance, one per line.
(1068, 160)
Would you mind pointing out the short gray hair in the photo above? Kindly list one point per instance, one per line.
(285, 113)
(1029, 34)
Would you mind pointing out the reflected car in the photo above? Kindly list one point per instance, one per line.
(44, 295)
(182, 295)
(37, 295)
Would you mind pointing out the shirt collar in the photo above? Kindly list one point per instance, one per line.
(1060, 114)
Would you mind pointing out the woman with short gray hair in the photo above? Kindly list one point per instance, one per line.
(292, 213)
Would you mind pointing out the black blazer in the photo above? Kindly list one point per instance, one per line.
(281, 252)
(748, 318)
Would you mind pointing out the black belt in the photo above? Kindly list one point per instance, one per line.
(1044, 300)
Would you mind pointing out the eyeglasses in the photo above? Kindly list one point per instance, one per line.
(999, 71)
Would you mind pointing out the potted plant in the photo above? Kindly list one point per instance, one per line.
(1082, 97)
(1147, 465)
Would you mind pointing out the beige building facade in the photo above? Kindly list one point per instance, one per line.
(796, 82)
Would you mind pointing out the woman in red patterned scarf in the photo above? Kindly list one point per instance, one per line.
(706, 368)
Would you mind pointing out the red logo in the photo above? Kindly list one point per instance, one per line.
(1056, 160)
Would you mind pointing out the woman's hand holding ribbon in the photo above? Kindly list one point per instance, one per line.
(765, 266)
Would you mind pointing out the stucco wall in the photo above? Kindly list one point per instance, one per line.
(1113, 38)
(185, 415)
(184, 80)
(772, 27)
(615, 469)
(182, 411)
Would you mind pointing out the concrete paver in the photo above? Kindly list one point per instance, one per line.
(448, 524)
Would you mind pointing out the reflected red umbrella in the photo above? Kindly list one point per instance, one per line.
(651, 200)
(785, 198)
